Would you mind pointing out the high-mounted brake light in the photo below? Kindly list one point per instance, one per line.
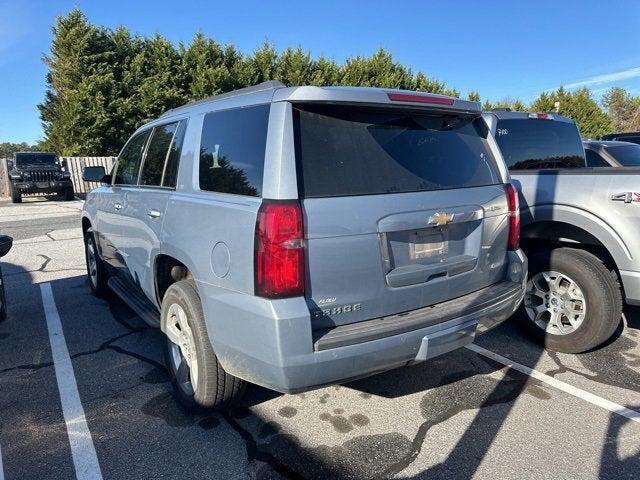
(412, 97)
(514, 217)
(279, 250)
(541, 116)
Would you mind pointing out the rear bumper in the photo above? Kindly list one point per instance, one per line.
(273, 347)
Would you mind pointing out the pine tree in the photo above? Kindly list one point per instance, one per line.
(81, 85)
(578, 105)
(473, 96)
(623, 110)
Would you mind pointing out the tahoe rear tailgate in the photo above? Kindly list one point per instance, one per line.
(402, 209)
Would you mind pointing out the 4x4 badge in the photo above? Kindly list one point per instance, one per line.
(441, 218)
(626, 197)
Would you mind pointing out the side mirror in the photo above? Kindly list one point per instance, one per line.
(94, 174)
(63, 163)
(9, 164)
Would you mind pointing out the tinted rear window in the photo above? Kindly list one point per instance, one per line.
(536, 144)
(626, 155)
(345, 151)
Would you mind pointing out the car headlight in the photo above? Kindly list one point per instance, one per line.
(26, 175)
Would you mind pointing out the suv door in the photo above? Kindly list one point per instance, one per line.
(111, 202)
(144, 205)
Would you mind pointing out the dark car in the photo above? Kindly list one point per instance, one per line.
(39, 172)
(600, 153)
(633, 137)
(5, 246)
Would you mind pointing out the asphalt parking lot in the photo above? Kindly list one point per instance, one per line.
(505, 411)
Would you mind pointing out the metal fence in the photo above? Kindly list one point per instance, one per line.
(74, 166)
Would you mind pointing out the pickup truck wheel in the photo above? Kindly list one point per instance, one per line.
(572, 303)
(96, 270)
(16, 195)
(200, 382)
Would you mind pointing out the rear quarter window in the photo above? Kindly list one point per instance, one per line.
(232, 150)
(346, 150)
(528, 144)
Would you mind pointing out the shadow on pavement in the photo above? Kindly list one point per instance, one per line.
(451, 384)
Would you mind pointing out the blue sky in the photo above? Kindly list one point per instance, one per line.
(513, 49)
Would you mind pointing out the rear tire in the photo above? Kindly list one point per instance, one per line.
(579, 286)
(68, 194)
(96, 270)
(16, 195)
(199, 380)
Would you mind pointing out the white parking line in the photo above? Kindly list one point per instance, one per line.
(83, 451)
(565, 387)
(1, 469)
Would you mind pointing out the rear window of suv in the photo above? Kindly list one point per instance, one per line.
(537, 144)
(347, 150)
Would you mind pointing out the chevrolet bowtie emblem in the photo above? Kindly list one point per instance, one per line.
(441, 219)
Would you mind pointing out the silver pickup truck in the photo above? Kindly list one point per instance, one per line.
(579, 229)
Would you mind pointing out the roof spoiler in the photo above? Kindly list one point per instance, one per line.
(377, 97)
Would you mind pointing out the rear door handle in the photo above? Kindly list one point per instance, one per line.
(117, 206)
(153, 213)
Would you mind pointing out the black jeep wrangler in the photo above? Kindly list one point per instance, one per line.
(39, 172)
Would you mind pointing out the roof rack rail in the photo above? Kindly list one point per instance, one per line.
(268, 85)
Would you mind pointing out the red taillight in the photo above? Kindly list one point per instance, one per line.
(279, 247)
(541, 116)
(410, 97)
(514, 217)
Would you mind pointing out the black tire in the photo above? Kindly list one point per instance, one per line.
(601, 292)
(98, 283)
(216, 389)
(16, 195)
(68, 194)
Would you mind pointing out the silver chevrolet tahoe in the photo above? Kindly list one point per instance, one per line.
(304, 236)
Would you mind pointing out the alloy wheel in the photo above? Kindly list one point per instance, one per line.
(555, 303)
(182, 348)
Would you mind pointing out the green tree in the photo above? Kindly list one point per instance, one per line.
(473, 96)
(294, 67)
(378, 70)
(81, 85)
(102, 84)
(207, 67)
(623, 110)
(7, 149)
(506, 103)
(578, 105)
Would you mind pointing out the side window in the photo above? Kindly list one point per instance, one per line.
(171, 168)
(154, 160)
(232, 150)
(595, 160)
(129, 160)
